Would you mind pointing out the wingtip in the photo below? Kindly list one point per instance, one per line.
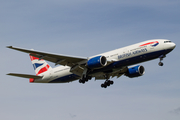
(9, 46)
(9, 74)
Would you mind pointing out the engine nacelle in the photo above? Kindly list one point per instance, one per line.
(97, 62)
(135, 71)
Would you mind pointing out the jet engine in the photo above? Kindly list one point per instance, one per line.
(97, 62)
(135, 71)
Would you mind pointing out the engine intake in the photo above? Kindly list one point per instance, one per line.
(97, 62)
(135, 71)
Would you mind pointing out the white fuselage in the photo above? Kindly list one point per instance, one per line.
(125, 56)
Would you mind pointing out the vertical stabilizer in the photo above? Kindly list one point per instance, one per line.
(40, 66)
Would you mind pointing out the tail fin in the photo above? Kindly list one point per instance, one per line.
(40, 66)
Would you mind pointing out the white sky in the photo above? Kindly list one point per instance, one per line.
(85, 28)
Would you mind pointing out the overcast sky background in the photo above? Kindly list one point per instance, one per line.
(85, 28)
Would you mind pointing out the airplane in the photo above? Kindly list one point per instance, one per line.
(103, 66)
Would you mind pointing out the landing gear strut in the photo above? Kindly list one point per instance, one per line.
(161, 58)
(107, 83)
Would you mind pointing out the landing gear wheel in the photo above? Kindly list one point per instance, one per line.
(103, 85)
(83, 81)
(161, 64)
(107, 83)
(86, 79)
(111, 82)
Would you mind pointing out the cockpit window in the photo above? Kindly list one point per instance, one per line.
(167, 41)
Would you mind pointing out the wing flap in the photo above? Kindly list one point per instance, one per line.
(24, 75)
(116, 73)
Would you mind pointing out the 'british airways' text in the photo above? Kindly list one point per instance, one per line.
(132, 53)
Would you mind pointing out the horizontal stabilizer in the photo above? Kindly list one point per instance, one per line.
(24, 75)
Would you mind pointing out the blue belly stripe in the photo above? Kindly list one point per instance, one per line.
(65, 79)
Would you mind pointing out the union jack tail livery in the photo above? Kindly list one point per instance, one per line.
(40, 66)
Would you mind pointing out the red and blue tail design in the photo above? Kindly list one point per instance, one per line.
(40, 66)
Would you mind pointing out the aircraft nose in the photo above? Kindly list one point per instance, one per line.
(173, 45)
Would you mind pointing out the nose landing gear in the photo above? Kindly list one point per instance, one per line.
(161, 58)
(161, 63)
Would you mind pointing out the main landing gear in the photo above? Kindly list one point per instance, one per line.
(161, 58)
(85, 79)
(107, 83)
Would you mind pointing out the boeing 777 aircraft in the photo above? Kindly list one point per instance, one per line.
(102, 66)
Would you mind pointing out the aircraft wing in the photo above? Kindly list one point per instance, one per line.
(24, 75)
(117, 73)
(55, 58)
